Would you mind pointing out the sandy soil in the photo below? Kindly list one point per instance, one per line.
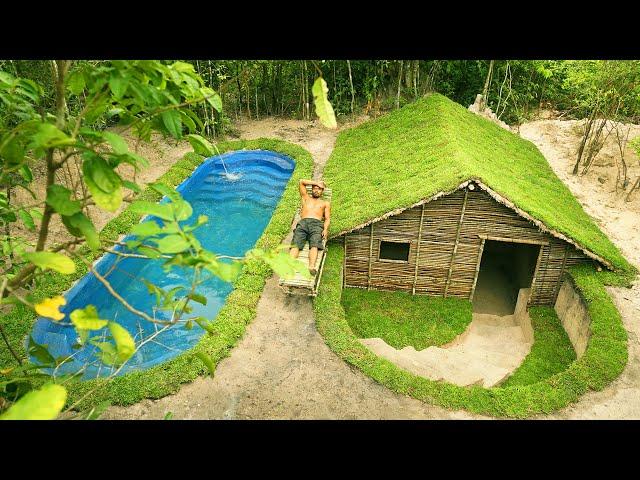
(282, 367)
(558, 140)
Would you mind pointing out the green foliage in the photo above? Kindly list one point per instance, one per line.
(87, 319)
(604, 359)
(402, 319)
(42, 404)
(50, 260)
(551, 351)
(433, 145)
(324, 110)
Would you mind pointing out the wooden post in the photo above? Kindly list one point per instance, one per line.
(535, 276)
(475, 278)
(455, 247)
(370, 256)
(564, 263)
(415, 275)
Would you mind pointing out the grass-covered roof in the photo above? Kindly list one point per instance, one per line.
(433, 145)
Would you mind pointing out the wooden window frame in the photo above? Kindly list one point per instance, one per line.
(388, 260)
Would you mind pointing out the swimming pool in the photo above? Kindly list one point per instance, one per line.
(239, 208)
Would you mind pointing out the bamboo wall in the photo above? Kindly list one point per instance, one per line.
(446, 244)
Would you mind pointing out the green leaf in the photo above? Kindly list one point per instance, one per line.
(80, 226)
(207, 362)
(58, 199)
(117, 143)
(226, 271)
(26, 219)
(166, 190)
(87, 319)
(40, 353)
(125, 346)
(75, 82)
(213, 98)
(131, 186)
(108, 352)
(101, 173)
(173, 122)
(324, 110)
(172, 244)
(136, 160)
(168, 416)
(149, 252)
(196, 297)
(51, 260)
(146, 229)
(49, 136)
(118, 85)
(25, 172)
(43, 404)
(13, 151)
(35, 213)
(164, 211)
(201, 145)
(103, 183)
(182, 209)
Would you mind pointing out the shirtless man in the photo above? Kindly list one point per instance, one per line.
(311, 226)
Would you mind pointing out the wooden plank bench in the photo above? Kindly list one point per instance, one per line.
(299, 285)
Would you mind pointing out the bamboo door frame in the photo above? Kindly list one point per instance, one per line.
(541, 244)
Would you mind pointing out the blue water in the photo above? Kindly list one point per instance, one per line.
(238, 210)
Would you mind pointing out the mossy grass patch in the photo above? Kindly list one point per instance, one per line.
(402, 319)
(603, 360)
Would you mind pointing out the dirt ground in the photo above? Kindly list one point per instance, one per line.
(282, 368)
(161, 154)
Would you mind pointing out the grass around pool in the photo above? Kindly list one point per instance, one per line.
(402, 319)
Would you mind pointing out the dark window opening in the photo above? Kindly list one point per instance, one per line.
(394, 251)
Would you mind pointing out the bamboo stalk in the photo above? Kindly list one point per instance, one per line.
(475, 278)
(535, 276)
(344, 263)
(513, 240)
(455, 247)
(370, 256)
(415, 276)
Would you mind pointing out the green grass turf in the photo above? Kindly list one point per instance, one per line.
(435, 144)
(402, 319)
(603, 360)
(551, 351)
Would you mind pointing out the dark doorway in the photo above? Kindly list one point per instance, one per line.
(505, 268)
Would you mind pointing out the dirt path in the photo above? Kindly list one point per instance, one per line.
(282, 368)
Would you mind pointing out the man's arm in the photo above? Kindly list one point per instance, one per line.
(327, 220)
(303, 186)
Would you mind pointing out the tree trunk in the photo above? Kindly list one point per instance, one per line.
(487, 83)
(350, 84)
(399, 85)
(584, 140)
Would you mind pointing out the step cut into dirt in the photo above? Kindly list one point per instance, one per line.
(485, 354)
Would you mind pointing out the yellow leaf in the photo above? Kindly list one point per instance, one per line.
(49, 307)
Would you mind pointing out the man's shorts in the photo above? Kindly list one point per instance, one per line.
(308, 229)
